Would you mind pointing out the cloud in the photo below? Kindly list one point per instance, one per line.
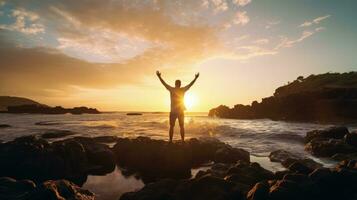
(242, 2)
(262, 41)
(26, 22)
(285, 42)
(241, 18)
(314, 21)
(271, 24)
(319, 29)
(104, 46)
(110, 31)
(251, 51)
(219, 5)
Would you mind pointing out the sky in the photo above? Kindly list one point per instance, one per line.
(104, 53)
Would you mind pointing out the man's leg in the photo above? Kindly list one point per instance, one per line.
(181, 118)
(172, 125)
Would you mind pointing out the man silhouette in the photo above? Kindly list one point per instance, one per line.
(177, 94)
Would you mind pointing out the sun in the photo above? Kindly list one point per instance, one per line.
(190, 100)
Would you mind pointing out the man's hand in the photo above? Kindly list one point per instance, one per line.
(158, 73)
(197, 75)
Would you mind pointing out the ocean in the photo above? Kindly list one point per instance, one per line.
(259, 137)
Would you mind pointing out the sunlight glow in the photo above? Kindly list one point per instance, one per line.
(191, 100)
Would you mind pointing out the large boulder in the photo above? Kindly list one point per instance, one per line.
(101, 159)
(246, 175)
(294, 162)
(153, 159)
(322, 183)
(11, 189)
(243, 174)
(228, 154)
(281, 155)
(327, 148)
(203, 188)
(31, 157)
(338, 182)
(330, 133)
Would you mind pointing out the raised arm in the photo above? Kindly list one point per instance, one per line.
(192, 82)
(162, 81)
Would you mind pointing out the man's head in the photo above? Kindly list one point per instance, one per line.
(177, 83)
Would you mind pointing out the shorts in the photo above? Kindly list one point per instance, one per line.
(177, 115)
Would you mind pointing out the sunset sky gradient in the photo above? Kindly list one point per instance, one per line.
(104, 53)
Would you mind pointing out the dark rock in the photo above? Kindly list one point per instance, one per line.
(247, 174)
(100, 158)
(298, 178)
(160, 190)
(299, 168)
(31, 157)
(11, 189)
(331, 133)
(343, 156)
(210, 187)
(287, 158)
(259, 192)
(351, 164)
(327, 148)
(281, 174)
(231, 155)
(4, 126)
(220, 169)
(171, 160)
(284, 189)
(309, 163)
(351, 139)
(281, 155)
(61, 189)
(206, 187)
(56, 134)
(105, 139)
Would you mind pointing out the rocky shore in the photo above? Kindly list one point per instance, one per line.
(330, 97)
(34, 168)
(43, 109)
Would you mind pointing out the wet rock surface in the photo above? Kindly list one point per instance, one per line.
(330, 133)
(205, 187)
(336, 142)
(166, 169)
(322, 183)
(11, 189)
(294, 162)
(250, 181)
(153, 159)
(33, 158)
